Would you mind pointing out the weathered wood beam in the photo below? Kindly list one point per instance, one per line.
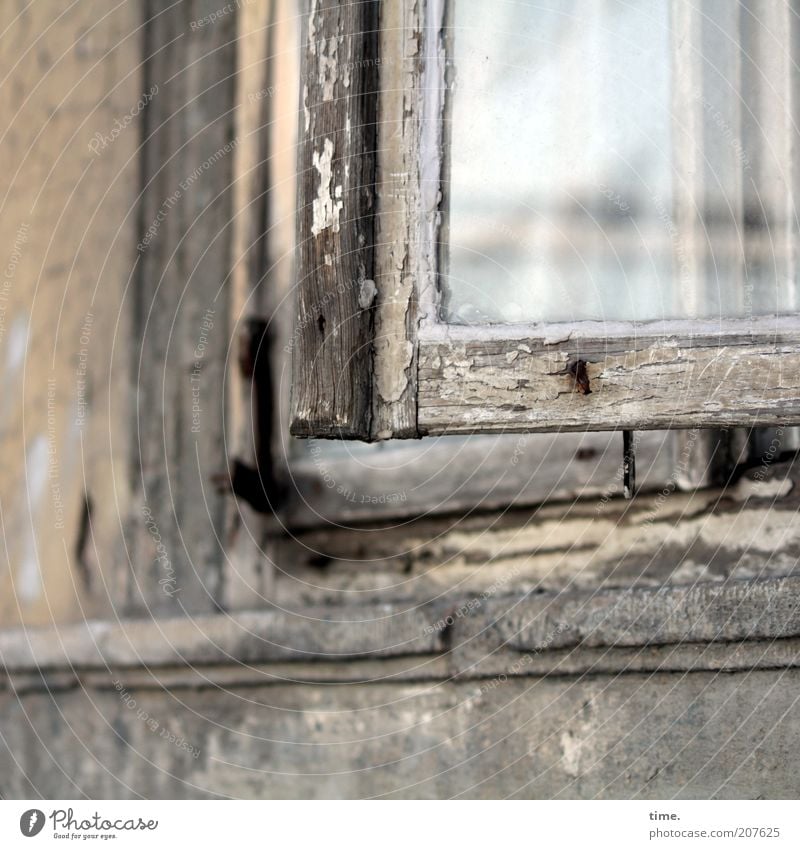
(651, 376)
(332, 343)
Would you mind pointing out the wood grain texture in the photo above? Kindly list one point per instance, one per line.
(397, 247)
(730, 612)
(686, 374)
(332, 345)
(511, 627)
(180, 324)
(460, 475)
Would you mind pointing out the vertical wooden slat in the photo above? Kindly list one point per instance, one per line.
(275, 295)
(770, 127)
(182, 295)
(332, 345)
(397, 248)
(250, 185)
(267, 95)
(247, 576)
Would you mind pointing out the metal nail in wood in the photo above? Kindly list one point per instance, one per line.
(628, 464)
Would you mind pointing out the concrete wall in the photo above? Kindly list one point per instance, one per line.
(700, 735)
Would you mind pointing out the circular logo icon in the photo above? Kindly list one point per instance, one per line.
(31, 822)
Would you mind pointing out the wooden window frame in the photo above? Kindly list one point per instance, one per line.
(395, 480)
(373, 361)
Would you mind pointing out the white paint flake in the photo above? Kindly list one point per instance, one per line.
(366, 294)
(326, 209)
(328, 65)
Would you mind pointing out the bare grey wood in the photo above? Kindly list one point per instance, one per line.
(467, 474)
(540, 625)
(180, 312)
(332, 345)
(648, 376)
(460, 666)
(728, 612)
(327, 633)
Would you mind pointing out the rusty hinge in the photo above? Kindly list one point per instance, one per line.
(258, 485)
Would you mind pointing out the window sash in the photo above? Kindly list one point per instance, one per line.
(401, 373)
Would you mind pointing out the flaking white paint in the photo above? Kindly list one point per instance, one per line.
(326, 208)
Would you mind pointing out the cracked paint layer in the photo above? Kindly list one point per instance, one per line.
(639, 382)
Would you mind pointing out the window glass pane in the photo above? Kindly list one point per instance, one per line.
(602, 162)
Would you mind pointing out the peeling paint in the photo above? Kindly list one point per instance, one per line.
(366, 294)
(328, 65)
(312, 29)
(29, 574)
(746, 488)
(326, 209)
(391, 385)
(557, 335)
(696, 383)
(394, 352)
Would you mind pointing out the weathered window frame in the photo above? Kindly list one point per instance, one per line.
(373, 362)
(387, 480)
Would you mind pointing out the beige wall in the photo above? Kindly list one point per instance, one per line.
(67, 237)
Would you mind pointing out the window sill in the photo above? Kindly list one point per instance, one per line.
(730, 625)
